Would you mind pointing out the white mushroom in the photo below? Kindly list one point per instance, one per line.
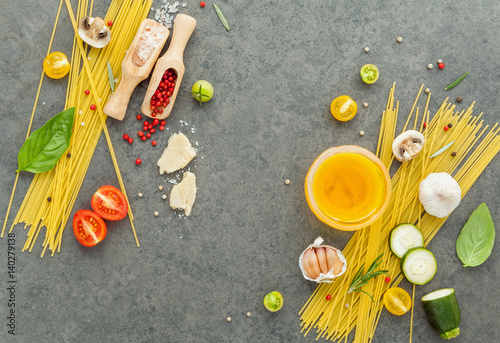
(407, 145)
(94, 32)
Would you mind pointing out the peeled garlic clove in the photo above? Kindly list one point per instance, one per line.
(322, 263)
(407, 145)
(440, 194)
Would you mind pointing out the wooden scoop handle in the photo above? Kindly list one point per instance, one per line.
(117, 105)
(183, 29)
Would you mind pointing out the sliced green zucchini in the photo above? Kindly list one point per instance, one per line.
(404, 237)
(418, 265)
(442, 312)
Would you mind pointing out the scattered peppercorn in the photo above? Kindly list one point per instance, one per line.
(287, 182)
(140, 133)
(160, 187)
(156, 213)
(153, 143)
(68, 155)
(49, 199)
(110, 23)
(427, 90)
(163, 123)
(453, 154)
(125, 137)
(248, 314)
(130, 140)
(143, 138)
(400, 39)
(387, 279)
(430, 66)
(450, 125)
(459, 99)
(138, 161)
(148, 135)
(440, 61)
(87, 92)
(328, 297)
(164, 196)
(446, 128)
(365, 104)
(138, 117)
(93, 107)
(361, 133)
(228, 318)
(346, 305)
(425, 124)
(441, 65)
(367, 49)
(139, 195)
(162, 128)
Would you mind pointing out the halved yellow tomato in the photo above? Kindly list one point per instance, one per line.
(343, 108)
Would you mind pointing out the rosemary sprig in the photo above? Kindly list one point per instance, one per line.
(457, 81)
(443, 149)
(221, 17)
(361, 279)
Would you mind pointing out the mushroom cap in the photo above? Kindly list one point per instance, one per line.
(407, 145)
(94, 32)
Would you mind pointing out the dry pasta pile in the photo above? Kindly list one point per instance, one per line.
(63, 182)
(475, 146)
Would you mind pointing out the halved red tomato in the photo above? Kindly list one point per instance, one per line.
(88, 227)
(109, 203)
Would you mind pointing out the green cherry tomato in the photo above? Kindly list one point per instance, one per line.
(202, 91)
(369, 73)
(273, 301)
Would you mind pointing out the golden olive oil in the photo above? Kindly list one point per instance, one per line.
(348, 187)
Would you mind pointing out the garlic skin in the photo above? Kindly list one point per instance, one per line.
(440, 194)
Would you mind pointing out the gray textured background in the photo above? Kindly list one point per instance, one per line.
(275, 74)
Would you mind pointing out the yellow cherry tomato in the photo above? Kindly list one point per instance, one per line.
(397, 301)
(56, 65)
(343, 108)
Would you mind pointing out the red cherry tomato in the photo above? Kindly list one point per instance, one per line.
(109, 203)
(89, 228)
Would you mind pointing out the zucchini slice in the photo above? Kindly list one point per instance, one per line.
(404, 237)
(418, 265)
(442, 312)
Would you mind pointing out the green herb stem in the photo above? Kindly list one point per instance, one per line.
(111, 77)
(361, 279)
(221, 17)
(443, 149)
(457, 81)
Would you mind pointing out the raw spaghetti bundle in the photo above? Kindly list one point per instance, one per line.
(475, 145)
(63, 182)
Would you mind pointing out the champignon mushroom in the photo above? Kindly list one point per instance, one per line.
(407, 145)
(94, 32)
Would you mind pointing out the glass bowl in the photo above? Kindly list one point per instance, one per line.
(351, 225)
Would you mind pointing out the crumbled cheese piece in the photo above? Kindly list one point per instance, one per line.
(178, 153)
(183, 194)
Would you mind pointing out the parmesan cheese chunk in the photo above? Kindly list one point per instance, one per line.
(178, 153)
(183, 194)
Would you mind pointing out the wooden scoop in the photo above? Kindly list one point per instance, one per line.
(183, 28)
(137, 64)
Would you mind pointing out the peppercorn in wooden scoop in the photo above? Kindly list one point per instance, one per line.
(137, 64)
(169, 70)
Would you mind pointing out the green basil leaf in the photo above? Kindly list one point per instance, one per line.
(45, 146)
(475, 242)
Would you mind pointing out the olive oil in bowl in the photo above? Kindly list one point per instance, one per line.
(348, 187)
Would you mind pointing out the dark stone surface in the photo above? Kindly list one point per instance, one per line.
(275, 74)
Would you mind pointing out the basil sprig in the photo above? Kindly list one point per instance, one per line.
(475, 242)
(45, 146)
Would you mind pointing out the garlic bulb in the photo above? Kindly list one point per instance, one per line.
(322, 263)
(440, 194)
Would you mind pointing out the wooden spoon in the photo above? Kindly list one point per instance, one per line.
(137, 64)
(173, 59)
